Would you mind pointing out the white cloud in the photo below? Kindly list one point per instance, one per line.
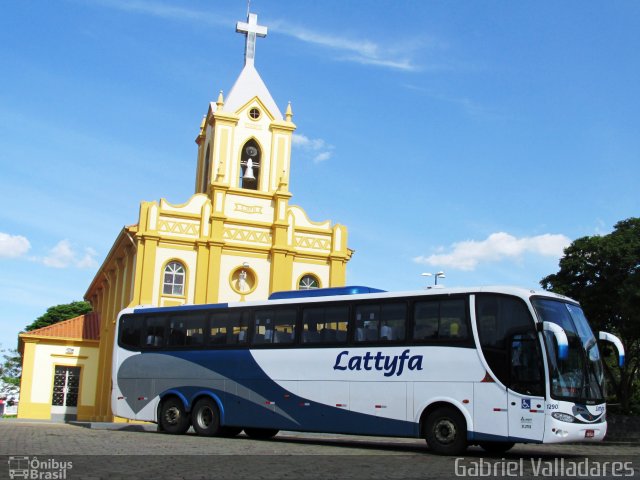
(63, 255)
(162, 10)
(363, 51)
(498, 246)
(13, 246)
(321, 157)
(320, 150)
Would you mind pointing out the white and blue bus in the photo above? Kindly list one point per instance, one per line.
(458, 367)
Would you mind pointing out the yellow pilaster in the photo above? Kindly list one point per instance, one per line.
(26, 407)
(213, 272)
(281, 133)
(202, 267)
(148, 270)
(224, 125)
(282, 253)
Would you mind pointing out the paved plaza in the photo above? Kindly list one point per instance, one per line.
(109, 451)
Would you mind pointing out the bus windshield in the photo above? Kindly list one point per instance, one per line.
(580, 377)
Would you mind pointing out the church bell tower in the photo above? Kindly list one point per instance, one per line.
(244, 141)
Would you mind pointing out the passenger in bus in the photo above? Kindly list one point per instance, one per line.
(386, 332)
(454, 329)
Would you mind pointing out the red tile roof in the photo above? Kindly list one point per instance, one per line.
(84, 327)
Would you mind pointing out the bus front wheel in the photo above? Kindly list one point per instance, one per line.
(205, 418)
(496, 447)
(261, 433)
(173, 417)
(446, 431)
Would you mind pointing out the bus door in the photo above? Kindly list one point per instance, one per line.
(490, 410)
(526, 392)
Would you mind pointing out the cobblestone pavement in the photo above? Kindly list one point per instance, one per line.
(135, 453)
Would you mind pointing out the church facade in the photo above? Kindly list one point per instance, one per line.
(237, 238)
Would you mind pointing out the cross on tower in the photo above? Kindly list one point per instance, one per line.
(251, 29)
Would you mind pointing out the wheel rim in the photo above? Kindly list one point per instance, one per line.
(205, 417)
(445, 431)
(172, 415)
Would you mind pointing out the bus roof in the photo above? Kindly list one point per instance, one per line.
(340, 294)
(324, 292)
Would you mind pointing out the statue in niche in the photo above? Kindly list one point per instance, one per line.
(243, 286)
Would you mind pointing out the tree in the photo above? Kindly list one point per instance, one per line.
(603, 274)
(10, 373)
(58, 313)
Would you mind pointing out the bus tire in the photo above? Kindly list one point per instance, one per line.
(496, 447)
(206, 418)
(261, 433)
(446, 431)
(173, 417)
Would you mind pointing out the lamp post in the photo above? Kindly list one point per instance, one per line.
(437, 275)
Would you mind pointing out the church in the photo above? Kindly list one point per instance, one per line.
(237, 238)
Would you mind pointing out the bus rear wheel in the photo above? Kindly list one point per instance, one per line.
(261, 433)
(446, 431)
(205, 418)
(173, 417)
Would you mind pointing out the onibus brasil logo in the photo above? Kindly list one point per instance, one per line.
(38, 469)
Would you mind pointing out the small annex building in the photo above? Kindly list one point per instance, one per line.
(60, 369)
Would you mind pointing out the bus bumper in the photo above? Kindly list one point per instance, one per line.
(556, 431)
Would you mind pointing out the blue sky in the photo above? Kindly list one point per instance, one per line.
(478, 138)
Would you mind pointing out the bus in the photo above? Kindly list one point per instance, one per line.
(489, 366)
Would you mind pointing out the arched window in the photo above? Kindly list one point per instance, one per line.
(250, 165)
(173, 283)
(205, 170)
(308, 282)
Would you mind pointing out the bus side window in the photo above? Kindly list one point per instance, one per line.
(367, 323)
(131, 331)
(155, 334)
(394, 319)
(325, 324)
(177, 332)
(228, 328)
(509, 342)
(453, 322)
(275, 326)
(187, 329)
(426, 320)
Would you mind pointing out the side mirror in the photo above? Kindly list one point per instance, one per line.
(561, 338)
(608, 337)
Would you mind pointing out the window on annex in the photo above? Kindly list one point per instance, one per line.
(274, 326)
(436, 320)
(173, 280)
(131, 331)
(155, 331)
(325, 324)
(509, 342)
(187, 330)
(229, 328)
(308, 282)
(380, 322)
(250, 165)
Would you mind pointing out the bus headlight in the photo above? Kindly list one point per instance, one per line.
(563, 417)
